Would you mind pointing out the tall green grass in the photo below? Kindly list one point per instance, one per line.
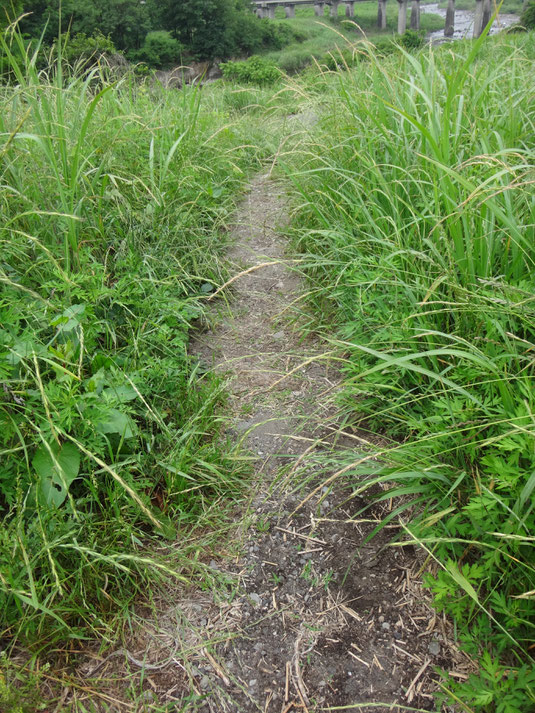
(416, 222)
(113, 202)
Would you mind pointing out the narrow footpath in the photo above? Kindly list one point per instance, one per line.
(315, 617)
(320, 619)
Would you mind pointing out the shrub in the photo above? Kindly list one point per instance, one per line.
(420, 244)
(255, 70)
(528, 16)
(85, 51)
(159, 50)
(341, 59)
(277, 35)
(108, 246)
(295, 60)
(412, 39)
(385, 47)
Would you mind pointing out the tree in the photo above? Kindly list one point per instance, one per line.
(126, 22)
(207, 27)
(9, 10)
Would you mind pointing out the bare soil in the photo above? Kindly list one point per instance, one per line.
(316, 617)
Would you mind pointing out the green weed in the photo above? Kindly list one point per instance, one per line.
(416, 228)
(113, 199)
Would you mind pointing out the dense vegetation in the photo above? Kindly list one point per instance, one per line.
(111, 202)
(159, 32)
(527, 19)
(417, 225)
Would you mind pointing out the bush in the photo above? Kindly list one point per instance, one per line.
(159, 50)
(528, 16)
(341, 59)
(277, 35)
(412, 39)
(295, 60)
(385, 47)
(83, 51)
(255, 70)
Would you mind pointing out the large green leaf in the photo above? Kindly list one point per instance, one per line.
(57, 466)
(116, 422)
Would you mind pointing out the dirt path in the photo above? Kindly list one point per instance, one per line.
(319, 618)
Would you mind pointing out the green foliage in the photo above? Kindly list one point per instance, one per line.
(322, 43)
(255, 70)
(213, 29)
(496, 690)
(20, 690)
(159, 50)
(412, 39)
(159, 33)
(125, 22)
(527, 19)
(341, 59)
(112, 197)
(417, 233)
(84, 52)
(10, 10)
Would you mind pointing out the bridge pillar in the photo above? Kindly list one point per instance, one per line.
(478, 18)
(449, 27)
(271, 12)
(415, 15)
(319, 10)
(402, 16)
(350, 9)
(487, 14)
(381, 14)
(334, 8)
(290, 10)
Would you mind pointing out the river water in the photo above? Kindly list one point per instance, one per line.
(464, 22)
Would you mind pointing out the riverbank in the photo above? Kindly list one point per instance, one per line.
(464, 22)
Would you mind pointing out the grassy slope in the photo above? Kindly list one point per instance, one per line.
(323, 35)
(416, 225)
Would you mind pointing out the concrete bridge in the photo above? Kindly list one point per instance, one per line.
(483, 12)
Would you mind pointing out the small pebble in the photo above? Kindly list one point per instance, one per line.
(434, 648)
(255, 598)
(385, 625)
